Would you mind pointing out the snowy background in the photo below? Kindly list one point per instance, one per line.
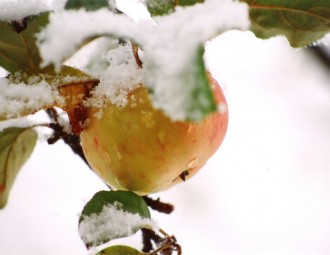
(265, 192)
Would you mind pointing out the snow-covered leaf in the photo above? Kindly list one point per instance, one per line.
(89, 5)
(113, 214)
(171, 56)
(17, 100)
(18, 49)
(202, 102)
(16, 146)
(195, 87)
(66, 75)
(301, 21)
(120, 250)
(25, 93)
(130, 201)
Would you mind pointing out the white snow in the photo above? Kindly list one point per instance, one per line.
(169, 45)
(112, 223)
(324, 40)
(83, 25)
(19, 98)
(124, 75)
(19, 9)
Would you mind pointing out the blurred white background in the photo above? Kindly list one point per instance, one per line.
(265, 192)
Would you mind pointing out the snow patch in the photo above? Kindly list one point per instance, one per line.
(122, 76)
(112, 223)
(18, 98)
(325, 40)
(169, 44)
(17, 10)
(83, 25)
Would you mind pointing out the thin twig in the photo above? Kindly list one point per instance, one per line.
(168, 244)
(72, 140)
(135, 49)
(159, 206)
(148, 236)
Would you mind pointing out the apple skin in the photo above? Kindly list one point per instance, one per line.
(138, 148)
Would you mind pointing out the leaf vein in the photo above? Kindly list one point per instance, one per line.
(29, 57)
(2, 54)
(287, 9)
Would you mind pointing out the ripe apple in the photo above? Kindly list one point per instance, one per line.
(139, 148)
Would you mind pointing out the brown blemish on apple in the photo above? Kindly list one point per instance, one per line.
(96, 143)
(161, 139)
(192, 163)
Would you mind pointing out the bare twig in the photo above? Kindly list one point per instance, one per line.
(72, 140)
(166, 245)
(322, 52)
(159, 206)
(149, 236)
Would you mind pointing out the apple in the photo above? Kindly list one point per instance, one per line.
(139, 148)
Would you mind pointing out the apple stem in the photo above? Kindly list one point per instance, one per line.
(135, 49)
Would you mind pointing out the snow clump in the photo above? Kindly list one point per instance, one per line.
(112, 223)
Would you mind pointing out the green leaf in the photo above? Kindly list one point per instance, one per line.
(201, 101)
(160, 7)
(89, 5)
(189, 2)
(197, 97)
(18, 49)
(113, 214)
(163, 7)
(301, 21)
(130, 201)
(16, 146)
(120, 250)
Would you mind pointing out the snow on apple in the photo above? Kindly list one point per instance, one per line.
(123, 74)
